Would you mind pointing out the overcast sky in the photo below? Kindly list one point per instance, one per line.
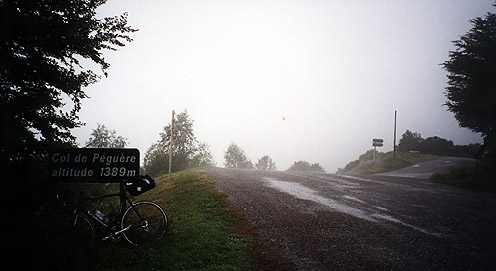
(296, 80)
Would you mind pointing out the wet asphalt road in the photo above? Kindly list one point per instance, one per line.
(332, 222)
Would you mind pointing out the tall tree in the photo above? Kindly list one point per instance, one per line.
(47, 51)
(265, 163)
(101, 137)
(410, 141)
(186, 151)
(471, 90)
(235, 157)
(203, 157)
(43, 45)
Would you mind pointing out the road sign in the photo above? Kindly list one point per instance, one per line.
(88, 165)
(377, 142)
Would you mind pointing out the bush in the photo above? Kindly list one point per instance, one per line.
(478, 178)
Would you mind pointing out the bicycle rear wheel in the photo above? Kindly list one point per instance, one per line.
(145, 221)
(70, 230)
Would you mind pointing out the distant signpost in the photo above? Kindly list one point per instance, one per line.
(376, 142)
(89, 165)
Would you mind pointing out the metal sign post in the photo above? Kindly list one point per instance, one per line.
(376, 142)
(394, 143)
(170, 145)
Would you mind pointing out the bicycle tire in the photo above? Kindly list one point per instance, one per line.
(147, 223)
(71, 231)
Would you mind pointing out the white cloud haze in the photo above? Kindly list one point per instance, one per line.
(297, 80)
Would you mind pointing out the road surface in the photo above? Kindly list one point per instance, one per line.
(376, 222)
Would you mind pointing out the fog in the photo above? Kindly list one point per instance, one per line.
(296, 80)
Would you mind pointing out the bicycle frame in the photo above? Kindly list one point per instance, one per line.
(123, 200)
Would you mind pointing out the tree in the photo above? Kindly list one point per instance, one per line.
(265, 163)
(203, 156)
(101, 137)
(410, 142)
(305, 166)
(156, 160)
(184, 142)
(471, 90)
(47, 49)
(43, 45)
(235, 158)
(437, 146)
(186, 151)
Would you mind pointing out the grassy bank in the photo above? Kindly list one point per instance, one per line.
(384, 162)
(473, 178)
(201, 236)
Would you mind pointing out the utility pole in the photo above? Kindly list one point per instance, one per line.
(170, 146)
(394, 141)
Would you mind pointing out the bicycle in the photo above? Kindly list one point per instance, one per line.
(141, 223)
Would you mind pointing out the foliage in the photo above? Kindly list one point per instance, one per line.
(384, 162)
(49, 51)
(474, 178)
(235, 157)
(305, 166)
(186, 151)
(429, 148)
(203, 156)
(42, 50)
(367, 156)
(436, 146)
(470, 93)
(410, 142)
(265, 163)
(101, 137)
(351, 165)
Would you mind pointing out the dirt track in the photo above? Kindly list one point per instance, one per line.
(331, 222)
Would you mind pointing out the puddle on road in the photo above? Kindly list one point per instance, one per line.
(353, 199)
(381, 208)
(364, 180)
(302, 192)
(299, 191)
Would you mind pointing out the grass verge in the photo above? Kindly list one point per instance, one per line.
(201, 235)
(473, 178)
(386, 163)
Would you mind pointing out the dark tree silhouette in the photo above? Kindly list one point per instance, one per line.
(43, 45)
(410, 141)
(305, 166)
(471, 90)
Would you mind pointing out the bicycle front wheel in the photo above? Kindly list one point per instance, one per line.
(144, 222)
